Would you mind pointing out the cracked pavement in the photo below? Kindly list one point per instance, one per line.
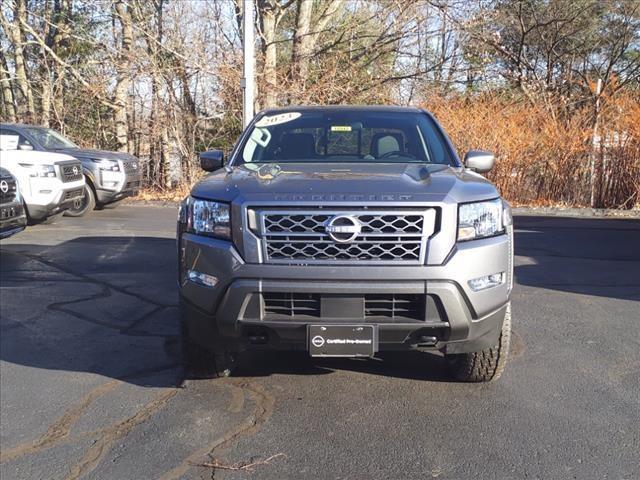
(91, 383)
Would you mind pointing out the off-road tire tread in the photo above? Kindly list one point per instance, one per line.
(486, 365)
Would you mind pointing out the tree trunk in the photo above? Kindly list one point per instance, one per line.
(123, 72)
(302, 44)
(8, 107)
(304, 40)
(24, 94)
(58, 43)
(269, 21)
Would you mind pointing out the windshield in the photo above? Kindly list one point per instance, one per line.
(345, 136)
(50, 139)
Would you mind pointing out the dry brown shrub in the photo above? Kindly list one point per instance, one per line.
(543, 157)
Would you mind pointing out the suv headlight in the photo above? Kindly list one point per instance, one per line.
(40, 170)
(204, 217)
(480, 220)
(110, 165)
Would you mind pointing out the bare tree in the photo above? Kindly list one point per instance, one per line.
(15, 32)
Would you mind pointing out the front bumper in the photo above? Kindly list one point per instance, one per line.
(114, 186)
(12, 219)
(59, 197)
(464, 321)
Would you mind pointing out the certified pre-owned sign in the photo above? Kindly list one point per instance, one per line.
(342, 340)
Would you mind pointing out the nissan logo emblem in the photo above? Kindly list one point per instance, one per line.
(317, 341)
(343, 228)
(4, 186)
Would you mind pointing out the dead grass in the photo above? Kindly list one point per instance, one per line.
(544, 157)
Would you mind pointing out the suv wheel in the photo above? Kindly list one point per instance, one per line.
(201, 362)
(84, 205)
(485, 365)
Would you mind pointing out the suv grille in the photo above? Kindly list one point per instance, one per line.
(71, 172)
(383, 236)
(10, 187)
(131, 166)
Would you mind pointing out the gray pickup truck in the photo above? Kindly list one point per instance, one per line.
(13, 218)
(110, 176)
(346, 231)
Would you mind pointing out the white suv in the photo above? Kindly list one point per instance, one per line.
(49, 182)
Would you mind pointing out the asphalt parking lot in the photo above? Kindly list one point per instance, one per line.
(92, 384)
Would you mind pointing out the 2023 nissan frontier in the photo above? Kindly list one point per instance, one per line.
(345, 231)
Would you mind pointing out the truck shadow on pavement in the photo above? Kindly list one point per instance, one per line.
(590, 256)
(108, 305)
(412, 365)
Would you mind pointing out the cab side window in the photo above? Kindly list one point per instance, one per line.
(12, 140)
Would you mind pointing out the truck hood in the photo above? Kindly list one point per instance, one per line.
(84, 153)
(33, 156)
(344, 182)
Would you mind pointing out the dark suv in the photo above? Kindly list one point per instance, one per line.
(345, 231)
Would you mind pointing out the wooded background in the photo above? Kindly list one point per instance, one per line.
(161, 79)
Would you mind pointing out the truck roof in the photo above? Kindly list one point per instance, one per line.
(20, 125)
(333, 108)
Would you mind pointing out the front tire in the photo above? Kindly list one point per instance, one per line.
(486, 365)
(83, 206)
(201, 362)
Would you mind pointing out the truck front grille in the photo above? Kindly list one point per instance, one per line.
(386, 236)
(301, 305)
(71, 172)
(372, 307)
(8, 188)
(395, 306)
(71, 194)
(10, 212)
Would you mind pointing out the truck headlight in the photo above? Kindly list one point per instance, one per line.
(480, 220)
(110, 165)
(40, 170)
(204, 217)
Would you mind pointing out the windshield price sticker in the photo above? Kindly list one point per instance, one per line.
(271, 120)
(340, 128)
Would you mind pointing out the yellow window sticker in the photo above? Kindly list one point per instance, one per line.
(340, 128)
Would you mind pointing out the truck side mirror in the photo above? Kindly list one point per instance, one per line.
(212, 160)
(479, 160)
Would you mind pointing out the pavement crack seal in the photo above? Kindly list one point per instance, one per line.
(263, 409)
(59, 430)
(111, 434)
